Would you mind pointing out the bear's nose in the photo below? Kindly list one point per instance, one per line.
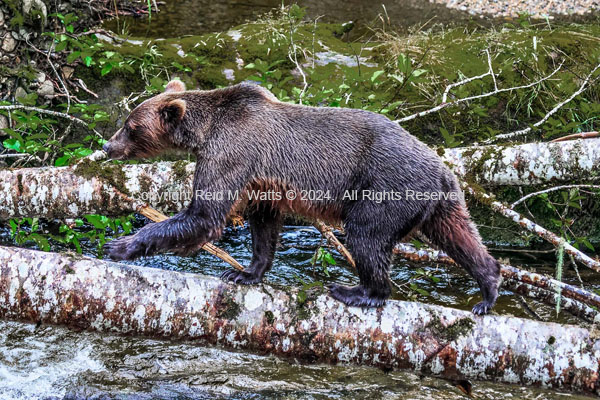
(106, 147)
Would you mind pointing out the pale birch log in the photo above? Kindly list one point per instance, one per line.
(74, 191)
(432, 340)
(527, 164)
(94, 187)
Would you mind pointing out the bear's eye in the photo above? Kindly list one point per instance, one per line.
(133, 133)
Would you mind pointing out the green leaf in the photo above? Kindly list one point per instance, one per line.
(98, 221)
(61, 46)
(375, 75)
(106, 68)
(328, 258)
(12, 144)
(73, 56)
(62, 161)
(87, 61)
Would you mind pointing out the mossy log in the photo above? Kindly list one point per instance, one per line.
(97, 295)
(98, 187)
(93, 187)
(527, 164)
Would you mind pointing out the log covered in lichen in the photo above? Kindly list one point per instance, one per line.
(94, 187)
(432, 340)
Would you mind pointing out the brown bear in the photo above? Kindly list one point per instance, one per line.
(337, 164)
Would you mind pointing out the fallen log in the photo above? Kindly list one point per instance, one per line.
(531, 226)
(88, 187)
(92, 294)
(526, 164)
(94, 187)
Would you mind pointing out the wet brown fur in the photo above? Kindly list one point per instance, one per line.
(245, 139)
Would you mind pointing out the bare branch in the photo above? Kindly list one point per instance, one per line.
(580, 135)
(476, 97)
(550, 113)
(575, 300)
(532, 227)
(530, 195)
(44, 111)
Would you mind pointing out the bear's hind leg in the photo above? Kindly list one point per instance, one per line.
(371, 246)
(451, 230)
(265, 224)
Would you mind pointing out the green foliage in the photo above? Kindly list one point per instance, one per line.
(92, 229)
(324, 258)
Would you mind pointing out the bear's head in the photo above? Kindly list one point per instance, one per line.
(151, 127)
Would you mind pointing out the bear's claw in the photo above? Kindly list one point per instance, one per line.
(482, 308)
(242, 277)
(354, 296)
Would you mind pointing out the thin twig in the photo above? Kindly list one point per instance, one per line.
(513, 279)
(62, 83)
(580, 135)
(44, 111)
(552, 189)
(327, 232)
(550, 113)
(489, 58)
(13, 155)
(532, 227)
(476, 97)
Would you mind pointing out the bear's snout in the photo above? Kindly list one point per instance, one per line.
(106, 148)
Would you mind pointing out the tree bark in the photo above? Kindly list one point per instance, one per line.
(432, 340)
(94, 187)
(527, 164)
(86, 188)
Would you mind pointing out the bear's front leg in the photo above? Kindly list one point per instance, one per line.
(184, 233)
(143, 243)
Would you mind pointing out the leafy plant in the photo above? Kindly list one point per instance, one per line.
(324, 258)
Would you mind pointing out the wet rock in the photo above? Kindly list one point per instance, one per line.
(40, 77)
(20, 92)
(46, 89)
(36, 9)
(3, 125)
(9, 44)
(1, 18)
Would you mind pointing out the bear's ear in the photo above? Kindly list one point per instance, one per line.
(172, 113)
(175, 86)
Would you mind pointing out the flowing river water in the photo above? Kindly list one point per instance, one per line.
(54, 363)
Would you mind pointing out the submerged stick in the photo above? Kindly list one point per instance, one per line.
(431, 340)
(157, 216)
(576, 301)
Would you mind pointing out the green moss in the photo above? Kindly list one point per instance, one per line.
(228, 309)
(269, 317)
(461, 327)
(180, 170)
(110, 173)
(20, 183)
